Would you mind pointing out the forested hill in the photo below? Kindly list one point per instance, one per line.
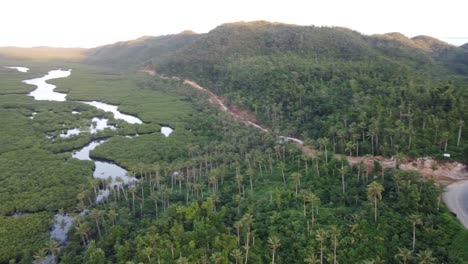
(380, 94)
(265, 38)
(136, 52)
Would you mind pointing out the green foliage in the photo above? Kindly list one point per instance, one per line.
(35, 180)
(23, 235)
(208, 212)
(237, 188)
(386, 94)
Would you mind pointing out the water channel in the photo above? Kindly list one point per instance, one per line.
(114, 175)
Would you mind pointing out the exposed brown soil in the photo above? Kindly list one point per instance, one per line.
(443, 173)
(149, 71)
(237, 113)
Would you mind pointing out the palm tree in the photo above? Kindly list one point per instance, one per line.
(349, 148)
(305, 158)
(251, 173)
(212, 181)
(311, 259)
(40, 255)
(81, 196)
(148, 252)
(314, 199)
(239, 179)
(112, 214)
(305, 199)
(374, 193)
(237, 254)
(425, 257)
(440, 190)
(324, 142)
(155, 197)
(460, 126)
(274, 244)
(334, 232)
(182, 260)
(96, 215)
(83, 230)
(321, 236)
(216, 257)
(133, 190)
(343, 171)
(444, 139)
(282, 166)
(238, 225)
(247, 219)
(296, 176)
(53, 248)
(95, 183)
(404, 254)
(119, 183)
(414, 219)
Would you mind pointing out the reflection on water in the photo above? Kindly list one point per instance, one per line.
(115, 175)
(44, 90)
(166, 131)
(61, 227)
(32, 115)
(20, 69)
(70, 132)
(83, 154)
(99, 124)
(117, 114)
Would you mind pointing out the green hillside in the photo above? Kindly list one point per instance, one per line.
(136, 52)
(380, 94)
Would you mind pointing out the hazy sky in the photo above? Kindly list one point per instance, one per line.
(89, 23)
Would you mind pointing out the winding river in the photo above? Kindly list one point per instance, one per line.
(114, 175)
(45, 91)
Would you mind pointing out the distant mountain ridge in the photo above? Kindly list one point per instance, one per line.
(255, 38)
(43, 53)
(263, 38)
(135, 52)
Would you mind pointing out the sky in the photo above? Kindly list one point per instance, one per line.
(91, 23)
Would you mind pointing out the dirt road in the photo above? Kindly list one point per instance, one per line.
(451, 174)
(456, 198)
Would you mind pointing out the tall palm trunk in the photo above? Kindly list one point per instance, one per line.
(375, 209)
